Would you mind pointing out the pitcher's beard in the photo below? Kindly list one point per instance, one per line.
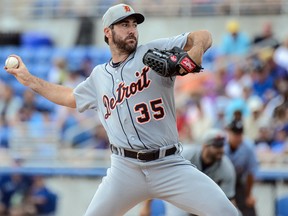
(123, 45)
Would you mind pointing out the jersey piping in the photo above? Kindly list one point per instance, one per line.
(118, 110)
(127, 103)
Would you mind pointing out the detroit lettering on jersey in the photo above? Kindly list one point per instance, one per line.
(126, 91)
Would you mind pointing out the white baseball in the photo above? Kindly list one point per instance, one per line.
(12, 62)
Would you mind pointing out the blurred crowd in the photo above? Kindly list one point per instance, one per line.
(22, 108)
(248, 80)
(96, 8)
(26, 195)
(244, 77)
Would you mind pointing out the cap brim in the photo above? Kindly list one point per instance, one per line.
(139, 18)
(237, 131)
(216, 142)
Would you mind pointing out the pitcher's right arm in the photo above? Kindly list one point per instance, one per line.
(57, 94)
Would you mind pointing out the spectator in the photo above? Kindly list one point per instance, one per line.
(73, 78)
(9, 107)
(236, 108)
(59, 72)
(265, 137)
(243, 157)
(253, 121)
(70, 124)
(220, 109)
(14, 189)
(280, 113)
(281, 54)
(277, 100)
(32, 112)
(275, 71)
(28, 107)
(69, 120)
(240, 79)
(280, 142)
(220, 80)
(263, 84)
(209, 158)
(183, 127)
(42, 198)
(199, 116)
(266, 37)
(235, 42)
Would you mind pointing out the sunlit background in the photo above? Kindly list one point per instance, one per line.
(62, 40)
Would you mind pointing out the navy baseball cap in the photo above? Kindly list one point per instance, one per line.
(119, 12)
(236, 126)
(214, 137)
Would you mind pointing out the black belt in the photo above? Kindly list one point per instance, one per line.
(143, 155)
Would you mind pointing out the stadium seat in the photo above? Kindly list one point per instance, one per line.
(76, 56)
(59, 52)
(40, 70)
(36, 39)
(157, 208)
(44, 105)
(5, 51)
(43, 55)
(99, 55)
(5, 77)
(281, 206)
(27, 54)
(18, 87)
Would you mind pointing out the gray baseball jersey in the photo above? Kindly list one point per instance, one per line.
(136, 110)
(222, 172)
(136, 107)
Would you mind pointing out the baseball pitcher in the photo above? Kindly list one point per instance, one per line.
(133, 96)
